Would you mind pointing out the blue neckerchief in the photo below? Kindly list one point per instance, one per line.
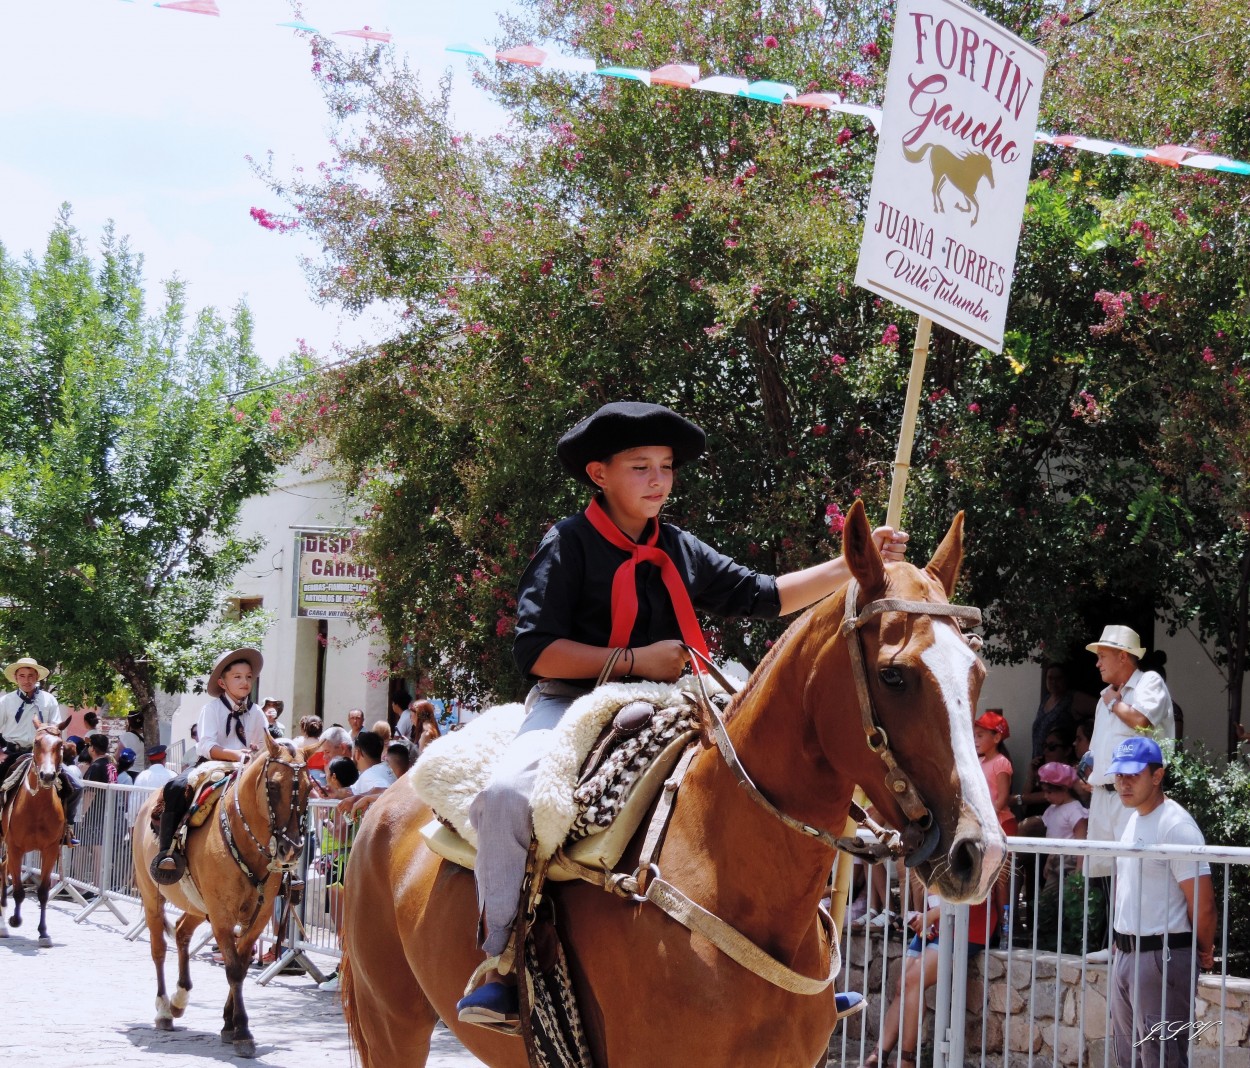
(22, 702)
(235, 714)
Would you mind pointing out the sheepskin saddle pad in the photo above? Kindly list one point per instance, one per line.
(607, 760)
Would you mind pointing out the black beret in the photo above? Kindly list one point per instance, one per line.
(625, 425)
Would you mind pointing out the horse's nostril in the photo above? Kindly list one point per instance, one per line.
(965, 860)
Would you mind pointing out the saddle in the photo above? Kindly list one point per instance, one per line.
(205, 784)
(608, 760)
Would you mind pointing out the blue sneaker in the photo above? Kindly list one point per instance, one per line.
(490, 1005)
(848, 1003)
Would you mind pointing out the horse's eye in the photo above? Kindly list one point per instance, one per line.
(892, 677)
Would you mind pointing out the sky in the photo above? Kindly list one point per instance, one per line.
(146, 116)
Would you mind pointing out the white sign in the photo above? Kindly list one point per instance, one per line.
(952, 168)
(328, 581)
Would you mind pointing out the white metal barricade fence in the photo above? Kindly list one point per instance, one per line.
(1035, 999)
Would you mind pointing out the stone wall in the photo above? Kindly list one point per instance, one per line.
(1040, 1010)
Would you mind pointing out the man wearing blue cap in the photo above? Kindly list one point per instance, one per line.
(1155, 931)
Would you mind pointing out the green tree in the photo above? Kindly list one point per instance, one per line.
(620, 242)
(128, 442)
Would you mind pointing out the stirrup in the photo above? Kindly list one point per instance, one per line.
(167, 876)
(476, 981)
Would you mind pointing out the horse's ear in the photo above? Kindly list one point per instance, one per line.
(271, 745)
(860, 551)
(64, 723)
(37, 723)
(945, 563)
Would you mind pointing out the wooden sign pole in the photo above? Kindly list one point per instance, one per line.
(893, 516)
(907, 434)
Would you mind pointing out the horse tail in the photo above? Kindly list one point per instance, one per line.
(915, 155)
(347, 989)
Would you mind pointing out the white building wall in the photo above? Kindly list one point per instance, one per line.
(290, 647)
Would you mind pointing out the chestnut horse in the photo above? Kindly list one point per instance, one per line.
(650, 991)
(33, 821)
(235, 862)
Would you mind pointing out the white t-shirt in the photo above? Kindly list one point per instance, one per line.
(1061, 820)
(372, 778)
(1144, 691)
(153, 777)
(1148, 897)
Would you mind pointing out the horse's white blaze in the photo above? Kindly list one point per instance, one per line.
(951, 663)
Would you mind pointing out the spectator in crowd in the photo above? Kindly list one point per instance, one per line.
(92, 722)
(355, 721)
(309, 740)
(1080, 746)
(1164, 915)
(153, 777)
(272, 708)
(990, 733)
(191, 755)
(375, 774)
(335, 742)
(125, 761)
(337, 831)
(73, 775)
(903, 1017)
(398, 705)
(102, 767)
(1056, 749)
(1055, 711)
(1065, 817)
(1132, 701)
(383, 730)
(399, 757)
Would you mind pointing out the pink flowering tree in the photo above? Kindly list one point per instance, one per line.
(617, 241)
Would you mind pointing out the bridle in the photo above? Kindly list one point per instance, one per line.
(270, 852)
(32, 771)
(919, 838)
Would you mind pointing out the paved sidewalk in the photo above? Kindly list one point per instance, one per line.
(90, 999)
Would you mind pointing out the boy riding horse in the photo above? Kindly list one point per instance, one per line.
(19, 712)
(611, 585)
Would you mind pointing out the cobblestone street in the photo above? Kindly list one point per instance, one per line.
(90, 1000)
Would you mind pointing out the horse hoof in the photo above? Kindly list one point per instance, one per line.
(245, 1047)
(227, 1035)
(164, 1023)
(45, 942)
(15, 921)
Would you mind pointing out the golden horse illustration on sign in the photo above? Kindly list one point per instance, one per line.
(964, 172)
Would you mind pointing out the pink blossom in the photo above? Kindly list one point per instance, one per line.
(834, 519)
(609, 10)
(1207, 355)
(731, 242)
(1064, 20)
(844, 135)
(820, 430)
(974, 408)
(890, 336)
(870, 51)
(748, 59)
(837, 360)
(770, 41)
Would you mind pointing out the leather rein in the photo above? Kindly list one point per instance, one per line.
(916, 843)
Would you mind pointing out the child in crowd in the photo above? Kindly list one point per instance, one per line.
(990, 733)
(337, 832)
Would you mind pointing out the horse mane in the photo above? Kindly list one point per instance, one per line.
(800, 623)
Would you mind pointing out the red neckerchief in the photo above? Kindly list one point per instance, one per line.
(625, 590)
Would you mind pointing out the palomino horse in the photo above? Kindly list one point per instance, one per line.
(963, 171)
(235, 864)
(650, 991)
(34, 821)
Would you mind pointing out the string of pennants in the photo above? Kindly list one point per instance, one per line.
(688, 76)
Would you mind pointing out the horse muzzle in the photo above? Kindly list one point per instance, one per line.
(47, 779)
(972, 862)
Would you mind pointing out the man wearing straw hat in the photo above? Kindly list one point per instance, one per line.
(231, 728)
(1132, 702)
(18, 712)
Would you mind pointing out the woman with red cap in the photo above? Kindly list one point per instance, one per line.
(990, 731)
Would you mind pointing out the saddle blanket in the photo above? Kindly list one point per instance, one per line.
(457, 767)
